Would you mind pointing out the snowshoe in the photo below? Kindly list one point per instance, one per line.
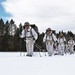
(29, 55)
(50, 54)
(56, 54)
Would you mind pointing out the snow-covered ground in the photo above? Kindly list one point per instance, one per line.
(11, 63)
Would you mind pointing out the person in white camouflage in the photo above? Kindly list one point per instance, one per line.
(61, 44)
(71, 45)
(49, 39)
(30, 37)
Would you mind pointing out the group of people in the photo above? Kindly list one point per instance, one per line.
(51, 42)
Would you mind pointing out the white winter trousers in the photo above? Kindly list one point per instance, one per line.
(49, 48)
(61, 48)
(71, 48)
(30, 45)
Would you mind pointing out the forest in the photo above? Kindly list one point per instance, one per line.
(10, 40)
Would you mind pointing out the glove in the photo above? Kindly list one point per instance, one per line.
(56, 41)
(33, 38)
(64, 42)
(54, 46)
(57, 44)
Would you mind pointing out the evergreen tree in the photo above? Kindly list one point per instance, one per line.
(1, 27)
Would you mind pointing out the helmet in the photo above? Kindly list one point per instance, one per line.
(26, 24)
(61, 35)
(48, 29)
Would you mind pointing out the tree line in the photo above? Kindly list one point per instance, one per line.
(10, 40)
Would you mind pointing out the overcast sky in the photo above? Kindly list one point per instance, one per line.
(57, 14)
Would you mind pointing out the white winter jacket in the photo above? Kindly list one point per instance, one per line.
(61, 40)
(29, 33)
(49, 37)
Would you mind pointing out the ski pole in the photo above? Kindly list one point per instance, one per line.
(38, 45)
(38, 48)
(44, 52)
(20, 47)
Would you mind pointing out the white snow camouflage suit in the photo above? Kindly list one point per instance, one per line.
(61, 45)
(49, 40)
(71, 45)
(29, 34)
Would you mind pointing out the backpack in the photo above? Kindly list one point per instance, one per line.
(35, 28)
